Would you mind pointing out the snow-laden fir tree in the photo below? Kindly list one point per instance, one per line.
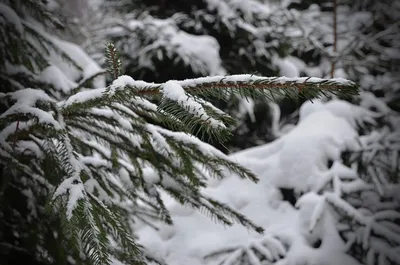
(356, 184)
(367, 37)
(367, 42)
(341, 159)
(31, 59)
(342, 216)
(83, 162)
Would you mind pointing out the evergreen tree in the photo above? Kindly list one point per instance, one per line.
(82, 162)
(365, 49)
(32, 59)
(361, 43)
(366, 44)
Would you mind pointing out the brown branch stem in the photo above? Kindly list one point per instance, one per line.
(299, 86)
(114, 61)
(15, 134)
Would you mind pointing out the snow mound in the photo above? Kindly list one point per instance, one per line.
(200, 52)
(53, 75)
(88, 66)
(296, 160)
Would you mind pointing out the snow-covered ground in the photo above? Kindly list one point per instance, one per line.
(296, 160)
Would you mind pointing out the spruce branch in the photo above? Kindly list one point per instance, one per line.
(113, 60)
(180, 108)
(270, 249)
(106, 151)
(15, 134)
(48, 45)
(87, 81)
(244, 85)
(255, 86)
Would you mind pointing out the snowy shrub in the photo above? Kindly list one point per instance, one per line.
(342, 174)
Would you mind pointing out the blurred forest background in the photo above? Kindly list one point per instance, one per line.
(161, 40)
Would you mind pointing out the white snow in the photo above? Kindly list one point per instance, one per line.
(56, 57)
(174, 91)
(160, 141)
(122, 81)
(355, 115)
(95, 161)
(24, 146)
(31, 201)
(187, 138)
(201, 52)
(125, 109)
(75, 192)
(8, 15)
(108, 113)
(125, 178)
(11, 128)
(287, 66)
(308, 147)
(81, 58)
(98, 147)
(29, 96)
(246, 106)
(91, 185)
(229, 9)
(250, 78)
(83, 96)
(25, 104)
(296, 160)
(53, 75)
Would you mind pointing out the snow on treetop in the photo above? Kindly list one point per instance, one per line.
(250, 8)
(120, 83)
(53, 75)
(9, 15)
(174, 91)
(75, 190)
(187, 138)
(26, 100)
(201, 53)
(353, 114)
(10, 129)
(88, 66)
(125, 80)
(16, 69)
(82, 96)
(29, 96)
(252, 78)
